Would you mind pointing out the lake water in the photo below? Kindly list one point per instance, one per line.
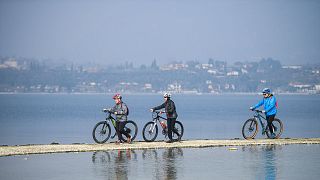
(251, 162)
(69, 118)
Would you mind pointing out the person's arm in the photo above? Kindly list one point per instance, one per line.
(159, 107)
(259, 104)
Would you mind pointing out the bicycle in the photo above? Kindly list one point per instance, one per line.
(150, 129)
(250, 127)
(102, 130)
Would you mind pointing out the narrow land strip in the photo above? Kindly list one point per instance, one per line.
(62, 148)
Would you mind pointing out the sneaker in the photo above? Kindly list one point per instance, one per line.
(170, 141)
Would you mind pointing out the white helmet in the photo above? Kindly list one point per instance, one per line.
(166, 95)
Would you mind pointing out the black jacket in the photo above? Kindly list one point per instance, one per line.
(169, 107)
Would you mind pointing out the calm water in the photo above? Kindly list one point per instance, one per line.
(43, 118)
(254, 162)
(65, 118)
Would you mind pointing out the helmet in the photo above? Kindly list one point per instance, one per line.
(167, 95)
(117, 96)
(266, 91)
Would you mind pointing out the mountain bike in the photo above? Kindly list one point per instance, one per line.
(250, 127)
(150, 130)
(102, 130)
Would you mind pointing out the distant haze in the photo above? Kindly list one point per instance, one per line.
(105, 31)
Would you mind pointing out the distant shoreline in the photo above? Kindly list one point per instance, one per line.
(137, 93)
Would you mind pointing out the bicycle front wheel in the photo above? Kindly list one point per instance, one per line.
(177, 131)
(101, 132)
(250, 128)
(150, 131)
(277, 129)
(131, 128)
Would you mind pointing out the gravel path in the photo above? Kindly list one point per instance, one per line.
(62, 148)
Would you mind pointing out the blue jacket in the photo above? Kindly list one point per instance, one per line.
(269, 105)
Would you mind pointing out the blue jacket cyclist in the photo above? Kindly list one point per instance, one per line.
(269, 103)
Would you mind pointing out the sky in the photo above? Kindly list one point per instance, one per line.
(140, 31)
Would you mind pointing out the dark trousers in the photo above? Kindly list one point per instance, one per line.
(120, 130)
(171, 123)
(269, 121)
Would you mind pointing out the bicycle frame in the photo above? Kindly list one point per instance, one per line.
(257, 115)
(112, 121)
(157, 119)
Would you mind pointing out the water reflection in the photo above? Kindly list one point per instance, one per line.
(262, 160)
(270, 162)
(153, 163)
(113, 164)
(171, 158)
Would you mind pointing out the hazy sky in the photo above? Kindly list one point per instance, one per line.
(166, 30)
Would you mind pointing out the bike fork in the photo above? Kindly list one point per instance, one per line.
(152, 127)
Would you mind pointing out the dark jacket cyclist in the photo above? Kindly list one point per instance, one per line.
(171, 113)
(270, 107)
(120, 109)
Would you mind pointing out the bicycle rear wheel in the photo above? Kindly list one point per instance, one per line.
(101, 132)
(178, 128)
(131, 128)
(150, 131)
(277, 129)
(250, 128)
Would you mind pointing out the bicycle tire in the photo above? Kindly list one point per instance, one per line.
(251, 131)
(278, 129)
(101, 132)
(149, 136)
(179, 127)
(132, 128)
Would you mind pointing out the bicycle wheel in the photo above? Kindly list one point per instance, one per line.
(277, 129)
(178, 127)
(101, 132)
(131, 128)
(250, 128)
(150, 131)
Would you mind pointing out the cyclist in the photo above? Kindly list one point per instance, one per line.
(121, 111)
(171, 113)
(270, 107)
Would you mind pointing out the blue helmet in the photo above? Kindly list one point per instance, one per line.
(266, 91)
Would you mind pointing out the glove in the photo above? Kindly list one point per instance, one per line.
(151, 110)
(263, 111)
(251, 108)
(106, 110)
(116, 112)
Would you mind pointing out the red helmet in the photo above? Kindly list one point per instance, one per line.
(117, 96)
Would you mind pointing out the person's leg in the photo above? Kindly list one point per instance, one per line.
(269, 120)
(171, 122)
(174, 130)
(118, 128)
(122, 131)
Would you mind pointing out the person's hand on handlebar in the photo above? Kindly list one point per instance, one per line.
(106, 110)
(152, 110)
(251, 108)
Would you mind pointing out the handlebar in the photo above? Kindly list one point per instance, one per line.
(155, 114)
(256, 110)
